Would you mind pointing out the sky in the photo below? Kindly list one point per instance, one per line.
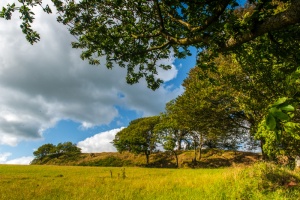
(49, 95)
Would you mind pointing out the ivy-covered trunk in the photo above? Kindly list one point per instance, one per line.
(262, 142)
(176, 158)
(179, 144)
(147, 153)
(200, 146)
(195, 152)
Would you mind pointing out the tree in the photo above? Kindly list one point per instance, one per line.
(138, 137)
(67, 148)
(287, 145)
(171, 123)
(136, 34)
(264, 77)
(209, 110)
(44, 150)
(168, 140)
(170, 132)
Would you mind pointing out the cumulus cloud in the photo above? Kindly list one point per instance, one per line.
(47, 82)
(4, 156)
(25, 160)
(100, 142)
(18, 161)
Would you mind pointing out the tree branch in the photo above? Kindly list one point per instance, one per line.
(159, 47)
(289, 17)
(145, 36)
(219, 11)
(161, 20)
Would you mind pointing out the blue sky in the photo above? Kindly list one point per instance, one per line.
(49, 95)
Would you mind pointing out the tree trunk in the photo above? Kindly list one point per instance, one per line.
(176, 158)
(262, 142)
(147, 153)
(200, 146)
(200, 152)
(195, 153)
(179, 144)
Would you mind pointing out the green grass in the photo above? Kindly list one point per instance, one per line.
(261, 181)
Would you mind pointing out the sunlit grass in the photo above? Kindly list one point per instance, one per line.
(66, 182)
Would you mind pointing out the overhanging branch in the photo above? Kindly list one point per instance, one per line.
(289, 17)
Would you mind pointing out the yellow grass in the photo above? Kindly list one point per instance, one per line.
(74, 182)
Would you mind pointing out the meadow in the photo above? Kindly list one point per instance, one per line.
(260, 181)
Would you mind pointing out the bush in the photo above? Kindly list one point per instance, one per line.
(110, 161)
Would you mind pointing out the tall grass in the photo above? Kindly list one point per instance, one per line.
(261, 181)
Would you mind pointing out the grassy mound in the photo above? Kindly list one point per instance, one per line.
(212, 158)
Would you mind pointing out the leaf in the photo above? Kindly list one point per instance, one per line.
(291, 114)
(288, 108)
(293, 129)
(270, 122)
(282, 116)
(292, 126)
(280, 101)
(277, 113)
(274, 110)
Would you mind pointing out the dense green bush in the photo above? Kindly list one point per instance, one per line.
(110, 161)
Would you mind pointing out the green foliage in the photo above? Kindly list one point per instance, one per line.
(27, 17)
(284, 142)
(67, 148)
(44, 150)
(263, 77)
(138, 137)
(171, 130)
(205, 115)
(137, 34)
(169, 136)
(209, 110)
(110, 161)
(280, 114)
(48, 151)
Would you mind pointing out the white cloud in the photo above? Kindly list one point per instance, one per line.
(25, 160)
(100, 142)
(4, 156)
(21, 161)
(8, 139)
(48, 82)
(167, 75)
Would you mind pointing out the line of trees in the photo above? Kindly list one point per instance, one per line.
(247, 95)
(205, 116)
(66, 148)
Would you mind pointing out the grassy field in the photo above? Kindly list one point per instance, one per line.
(261, 181)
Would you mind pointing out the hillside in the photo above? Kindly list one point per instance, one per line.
(210, 159)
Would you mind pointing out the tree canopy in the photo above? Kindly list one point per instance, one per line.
(66, 148)
(44, 150)
(138, 137)
(136, 34)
